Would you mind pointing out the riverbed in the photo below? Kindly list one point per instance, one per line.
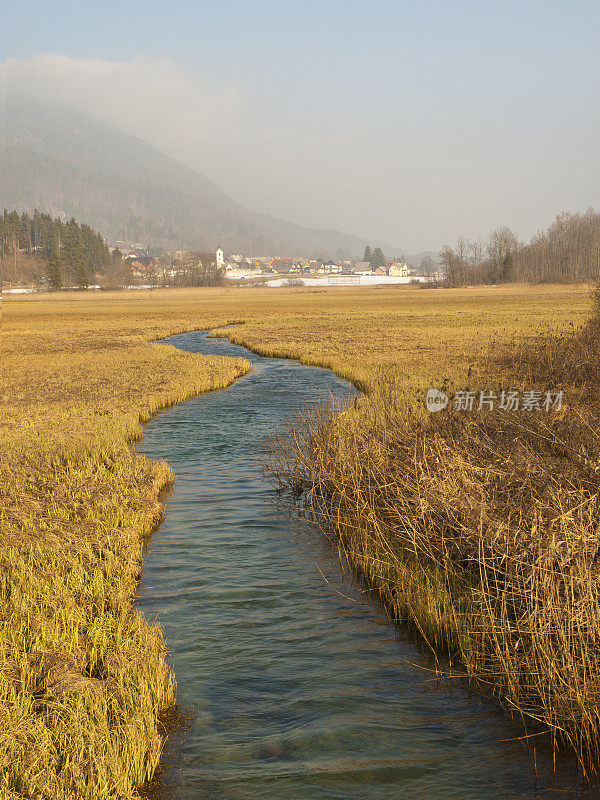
(297, 685)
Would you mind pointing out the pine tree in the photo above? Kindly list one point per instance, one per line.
(378, 259)
(368, 255)
(73, 254)
(55, 272)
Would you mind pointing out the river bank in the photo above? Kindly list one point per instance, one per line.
(84, 678)
(478, 526)
(297, 684)
(78, 377)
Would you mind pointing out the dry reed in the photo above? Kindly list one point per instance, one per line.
(480, 529)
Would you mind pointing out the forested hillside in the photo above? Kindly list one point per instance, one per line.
(68, 164)
(40, 249)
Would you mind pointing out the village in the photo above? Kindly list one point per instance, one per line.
(24, 269)
(277, 265)
(155, 265)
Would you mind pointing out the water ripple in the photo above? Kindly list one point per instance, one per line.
(298, 692)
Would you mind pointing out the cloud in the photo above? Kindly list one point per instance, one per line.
(153, 98)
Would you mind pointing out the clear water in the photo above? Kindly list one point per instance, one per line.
(298, 685)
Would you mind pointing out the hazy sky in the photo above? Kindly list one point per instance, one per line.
(404, 121)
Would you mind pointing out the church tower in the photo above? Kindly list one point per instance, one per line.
(220, 258)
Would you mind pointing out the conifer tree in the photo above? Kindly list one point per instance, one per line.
(377, 259)
(55, 272)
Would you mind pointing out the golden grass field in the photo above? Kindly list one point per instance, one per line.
(83, 674)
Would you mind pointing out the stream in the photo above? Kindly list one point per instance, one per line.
(297, 685)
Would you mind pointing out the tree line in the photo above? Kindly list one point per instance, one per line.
(568, 250)
(40, 248)
(191, 268)
(57, 254)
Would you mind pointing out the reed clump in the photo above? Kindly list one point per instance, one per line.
(481, 529)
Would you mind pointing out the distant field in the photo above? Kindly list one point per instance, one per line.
(426, 334)
(76, 377)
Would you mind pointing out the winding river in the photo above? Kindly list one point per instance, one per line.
(299, 688)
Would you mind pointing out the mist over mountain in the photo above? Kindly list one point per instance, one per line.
(63, 161)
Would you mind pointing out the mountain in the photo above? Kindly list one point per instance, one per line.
(65, 162)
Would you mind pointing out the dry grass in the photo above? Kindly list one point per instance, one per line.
(421, 336)
(425, 335)
(480, 529)
(83, 675)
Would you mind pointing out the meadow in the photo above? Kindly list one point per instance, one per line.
(84, 677)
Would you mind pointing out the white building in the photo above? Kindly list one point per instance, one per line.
(398, 270)
(220, 258)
